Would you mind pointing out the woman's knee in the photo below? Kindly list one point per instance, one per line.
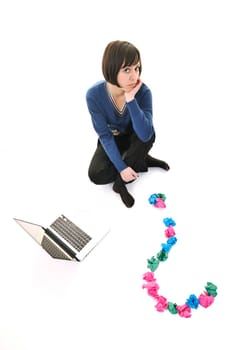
(100, 177)
(93, 176)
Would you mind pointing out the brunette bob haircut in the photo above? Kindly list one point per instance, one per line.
(119, 54)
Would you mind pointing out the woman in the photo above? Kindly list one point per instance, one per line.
(121, 111)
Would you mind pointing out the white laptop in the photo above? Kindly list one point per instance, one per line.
(66, 238)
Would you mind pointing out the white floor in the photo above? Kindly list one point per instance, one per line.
(51, 54)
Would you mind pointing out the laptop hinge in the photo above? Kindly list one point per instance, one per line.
(56, 239)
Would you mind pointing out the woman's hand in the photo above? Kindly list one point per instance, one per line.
(131, 92)
(128, 174)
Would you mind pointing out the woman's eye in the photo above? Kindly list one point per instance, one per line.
(128, 69)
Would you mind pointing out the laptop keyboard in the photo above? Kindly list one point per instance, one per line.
(70, 232)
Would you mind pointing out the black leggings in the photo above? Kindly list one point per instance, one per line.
(102, 171)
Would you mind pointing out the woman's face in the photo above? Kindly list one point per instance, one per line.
(128, 76)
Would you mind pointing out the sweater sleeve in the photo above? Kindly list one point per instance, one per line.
(140, 109)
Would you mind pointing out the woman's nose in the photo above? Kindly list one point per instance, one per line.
(133, 76)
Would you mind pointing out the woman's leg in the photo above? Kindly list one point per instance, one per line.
(119, 186)
(134, 154)
(101, 170)
(137, 155)
(156, 163)
(137, 151)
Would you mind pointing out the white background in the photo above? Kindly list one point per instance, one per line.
(51, 53)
